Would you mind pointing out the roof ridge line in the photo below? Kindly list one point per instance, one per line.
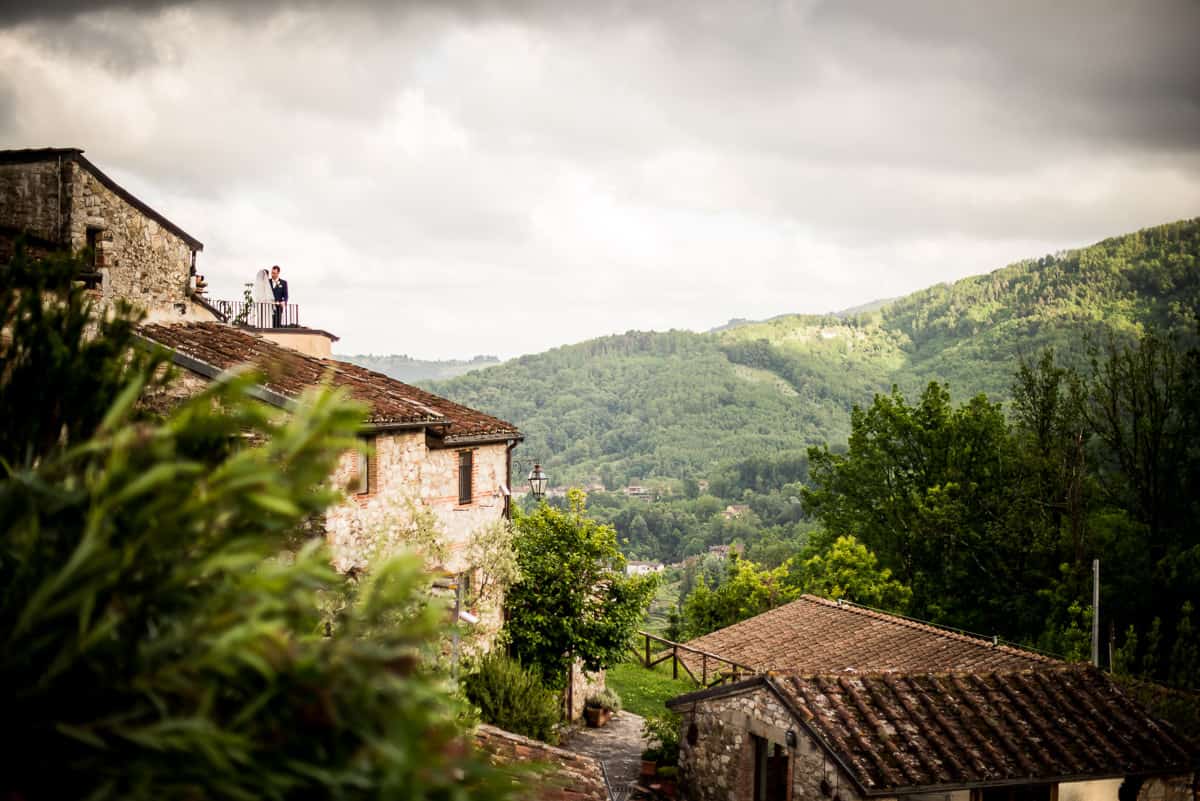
(995, 641)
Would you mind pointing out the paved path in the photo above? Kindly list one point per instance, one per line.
(619, 746)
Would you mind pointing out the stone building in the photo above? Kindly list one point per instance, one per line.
(420, 452)
(1062, 734)
(426, 454)
(60, 201)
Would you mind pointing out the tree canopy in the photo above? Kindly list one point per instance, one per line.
(573, 599)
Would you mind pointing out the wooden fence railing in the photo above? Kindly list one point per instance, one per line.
(722, 669)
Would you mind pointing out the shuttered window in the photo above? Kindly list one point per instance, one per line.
(465, 465)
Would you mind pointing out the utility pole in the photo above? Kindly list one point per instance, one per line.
(1096, 612)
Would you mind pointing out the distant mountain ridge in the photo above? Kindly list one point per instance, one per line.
(678, 404)
(409, 370)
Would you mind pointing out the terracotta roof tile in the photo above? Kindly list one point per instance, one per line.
(290, 372)
(814, 634)
(572, 776)
(908, 731)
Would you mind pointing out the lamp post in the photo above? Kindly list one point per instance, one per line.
(537, 482)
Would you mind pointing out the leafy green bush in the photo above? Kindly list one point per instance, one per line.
(605, 699)
(512, 697)
(155, 645)
(662, 731)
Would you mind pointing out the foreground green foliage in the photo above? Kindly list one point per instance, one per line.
(573, 600)
(160, 641)
(513, 697)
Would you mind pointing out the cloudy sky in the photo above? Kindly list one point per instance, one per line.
(445, 179)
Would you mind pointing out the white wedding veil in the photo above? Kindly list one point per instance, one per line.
(262, 287)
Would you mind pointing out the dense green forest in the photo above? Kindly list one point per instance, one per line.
(960, 454)
(641, 405)
(410, 370)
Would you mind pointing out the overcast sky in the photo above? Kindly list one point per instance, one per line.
(447, 179)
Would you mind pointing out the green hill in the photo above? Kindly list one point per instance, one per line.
(410, 370)
(681, 404)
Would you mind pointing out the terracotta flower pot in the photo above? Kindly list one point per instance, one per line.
(649, 768)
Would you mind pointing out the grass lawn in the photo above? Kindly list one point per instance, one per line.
(643, 692)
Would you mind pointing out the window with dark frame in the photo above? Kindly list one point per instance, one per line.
(466, 460)
(366, 466)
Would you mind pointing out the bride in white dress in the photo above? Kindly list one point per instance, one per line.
(264, 299)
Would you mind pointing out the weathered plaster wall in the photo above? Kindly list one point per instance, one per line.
(1100, 790)
(720, 766)
(307, 342)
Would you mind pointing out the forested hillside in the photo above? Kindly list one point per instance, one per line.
(682, 405)
(410, 370)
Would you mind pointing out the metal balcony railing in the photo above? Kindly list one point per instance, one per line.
(260, 315)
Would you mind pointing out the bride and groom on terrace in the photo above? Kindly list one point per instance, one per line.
(270, 292)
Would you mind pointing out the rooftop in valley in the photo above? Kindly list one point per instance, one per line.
(813, 634)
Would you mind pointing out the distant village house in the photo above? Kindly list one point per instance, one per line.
(639, 568)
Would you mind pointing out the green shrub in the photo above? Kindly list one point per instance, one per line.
(663, 733)
(155, 646)
(512, 697)
(606, 699)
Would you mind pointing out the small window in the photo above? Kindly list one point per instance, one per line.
(466, 463)
(366, 467)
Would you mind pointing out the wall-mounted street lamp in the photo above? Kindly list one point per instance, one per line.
(537, 482)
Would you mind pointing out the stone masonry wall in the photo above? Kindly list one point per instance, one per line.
(30, 199)
(1168, 788)
(141, 261)
(407, 470)
(720, 766)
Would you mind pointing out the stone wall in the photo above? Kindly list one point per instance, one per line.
(407, 471)
(720, 766)
(582, 684)
(61, 201)
(1168, 788)
(31, 200)
(141, 261)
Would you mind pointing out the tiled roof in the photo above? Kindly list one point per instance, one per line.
(289, 373)
(902, 732)
(816, 635)
(572, 777)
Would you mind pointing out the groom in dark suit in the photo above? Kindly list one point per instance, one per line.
(279, 290)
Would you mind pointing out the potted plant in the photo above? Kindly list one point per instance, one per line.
(662, 732)
(650, 762)
(598, 709)
(668, 780)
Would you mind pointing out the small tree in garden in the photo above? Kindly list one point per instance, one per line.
(573, 599)
(155, 642)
